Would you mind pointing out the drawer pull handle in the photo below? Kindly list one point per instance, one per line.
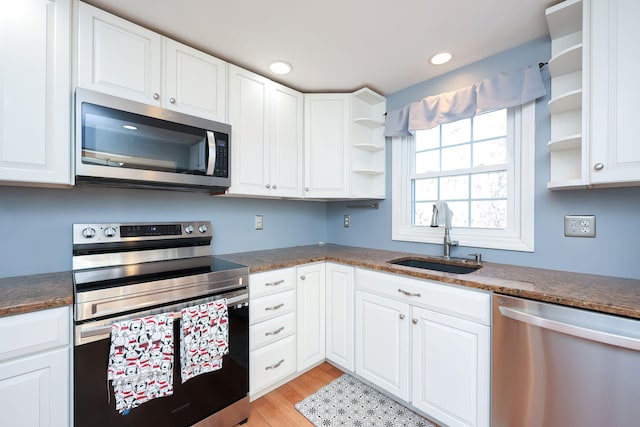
(274, 366)
(275, 307)
(276, 332)
(279, 282)
(409, 294)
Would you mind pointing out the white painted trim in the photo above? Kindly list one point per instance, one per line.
(520, 237)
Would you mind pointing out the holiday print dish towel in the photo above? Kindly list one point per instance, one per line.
(204, 337)
(141, 360)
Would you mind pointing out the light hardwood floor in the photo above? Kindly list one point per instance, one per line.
(276, 409)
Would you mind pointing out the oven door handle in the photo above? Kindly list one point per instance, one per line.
(93, 331)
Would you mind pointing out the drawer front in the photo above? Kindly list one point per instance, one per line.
(464, 303)
(272, 363)
(271, 306)
(272, 330)
(271, 282)
(33, 332)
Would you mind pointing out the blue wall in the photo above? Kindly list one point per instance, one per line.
(36, 223)
(613, 252)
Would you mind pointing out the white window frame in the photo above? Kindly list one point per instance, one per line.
(519, 234)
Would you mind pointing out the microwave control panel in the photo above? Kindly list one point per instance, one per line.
(221, 168)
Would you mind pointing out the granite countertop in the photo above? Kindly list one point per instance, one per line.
(605, 294)
(599, 293)
(23, 294)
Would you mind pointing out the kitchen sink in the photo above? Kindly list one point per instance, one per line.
(459, 266)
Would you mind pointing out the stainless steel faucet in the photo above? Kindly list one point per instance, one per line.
(446, 213)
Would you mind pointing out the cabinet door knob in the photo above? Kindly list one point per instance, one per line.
(414, 321)
(306, 188)
(156, 96)
(598, 166)
(401, 316)
(267, 186)
(302, 277)
(274, 186)
(172, 100)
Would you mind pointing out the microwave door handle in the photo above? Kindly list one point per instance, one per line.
(211, 147)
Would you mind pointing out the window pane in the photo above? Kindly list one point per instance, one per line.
(458, 157)
(454, 187)
(491, 152)
(489, 214)
(428, 139)
(460, 214)
(428, 161)
(490, 185)
(422, 213)
(456, 132)
(425, 189)
(490, 125)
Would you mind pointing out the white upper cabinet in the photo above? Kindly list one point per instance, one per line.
(615, 145)
(593, 65)
(35, 94)
(266, 123)
(123, 59)
(118, 57)
(326, 145)
(194, 83)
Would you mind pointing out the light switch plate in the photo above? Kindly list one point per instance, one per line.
(258, 222)
(347, 220)
(580, 225)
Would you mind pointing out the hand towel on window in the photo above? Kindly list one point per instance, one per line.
(204, 337)
(141, 360)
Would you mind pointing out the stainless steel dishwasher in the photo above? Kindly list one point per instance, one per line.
(555, 366)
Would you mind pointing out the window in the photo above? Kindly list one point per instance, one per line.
(483, 167)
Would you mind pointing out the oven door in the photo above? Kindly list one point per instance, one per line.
(193, 401)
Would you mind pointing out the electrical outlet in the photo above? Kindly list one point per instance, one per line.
(347, 220)
(580, 225)
(258, 222)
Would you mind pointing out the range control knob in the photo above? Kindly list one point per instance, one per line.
(89, 233)
(109, 232)
(203, 228)
(189, 229)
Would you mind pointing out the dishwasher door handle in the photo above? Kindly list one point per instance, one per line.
(570, 329)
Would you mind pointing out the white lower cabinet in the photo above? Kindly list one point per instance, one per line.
(340, 294)
(34, 369)
(311, 314)
(427, 343)
(450, 360)
(272, 330)
(382, 342)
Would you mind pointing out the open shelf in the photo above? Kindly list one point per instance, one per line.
(569, 142)
(369, 171)
(567, 61)
(570, 184)
(564, 18)
(368, 96)
(368, 122)
(566, 102)
(369, 147)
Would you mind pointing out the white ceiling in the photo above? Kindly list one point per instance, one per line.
(343, 45)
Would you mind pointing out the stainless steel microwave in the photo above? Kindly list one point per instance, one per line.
(124, 143)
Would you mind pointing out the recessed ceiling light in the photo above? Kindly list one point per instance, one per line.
(441, 58)
(280, 67)
(130, 127)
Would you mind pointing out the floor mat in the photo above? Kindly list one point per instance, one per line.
(348, 402)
